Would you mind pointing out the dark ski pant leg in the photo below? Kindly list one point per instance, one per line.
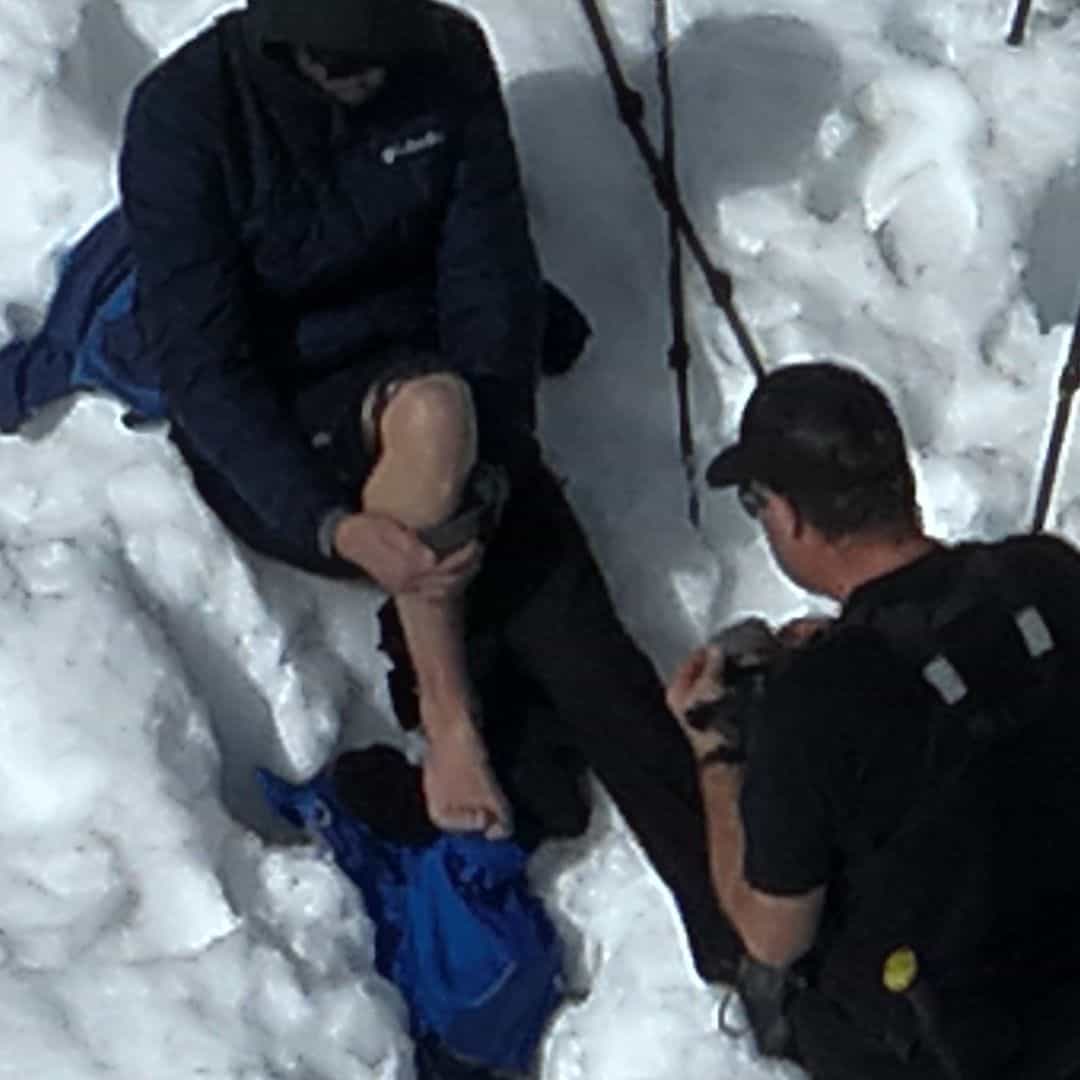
(542, 586)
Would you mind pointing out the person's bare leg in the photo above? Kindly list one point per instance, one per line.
(428, 438)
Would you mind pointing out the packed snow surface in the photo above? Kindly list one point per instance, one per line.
(889, 184)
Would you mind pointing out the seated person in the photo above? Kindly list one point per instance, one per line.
(337, 282)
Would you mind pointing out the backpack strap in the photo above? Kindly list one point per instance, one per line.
(984, 650)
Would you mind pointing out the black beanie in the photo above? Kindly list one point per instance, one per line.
(383, 28)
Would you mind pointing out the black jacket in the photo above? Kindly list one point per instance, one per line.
(281, 237)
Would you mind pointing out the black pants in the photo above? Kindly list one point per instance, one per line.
(562, 683)
(539, 611)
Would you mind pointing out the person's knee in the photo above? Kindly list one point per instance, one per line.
(432, 415)
(427, 451)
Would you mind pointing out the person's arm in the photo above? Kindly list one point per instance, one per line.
(490, 296)
(195, 294)
(775, 928)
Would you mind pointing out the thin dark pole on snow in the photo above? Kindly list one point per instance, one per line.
(1019, 24)
(679, 352)
(1068, 384)
(631, 109)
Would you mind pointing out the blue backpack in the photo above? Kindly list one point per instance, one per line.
(457, 930)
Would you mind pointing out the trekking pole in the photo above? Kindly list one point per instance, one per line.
(679, 353)
(631, 109)
(1068, 384)
(1019, 24)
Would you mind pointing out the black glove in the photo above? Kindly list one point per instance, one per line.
(765, 992)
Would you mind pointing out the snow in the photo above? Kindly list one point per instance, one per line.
(888, 182)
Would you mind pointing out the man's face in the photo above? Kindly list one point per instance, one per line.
(794, 544)
(351, 87)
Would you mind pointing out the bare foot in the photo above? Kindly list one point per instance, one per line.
(461, 791)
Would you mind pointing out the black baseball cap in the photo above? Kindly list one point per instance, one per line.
(817, 426)
(377, 30)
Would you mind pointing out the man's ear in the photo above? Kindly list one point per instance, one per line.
(786, 517)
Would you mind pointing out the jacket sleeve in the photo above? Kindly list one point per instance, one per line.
(490, 297)
(195, 294)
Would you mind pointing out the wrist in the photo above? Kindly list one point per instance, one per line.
(448, 725)
(721, 754)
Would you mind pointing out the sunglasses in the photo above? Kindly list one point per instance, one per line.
(339, 63)
(752, 499)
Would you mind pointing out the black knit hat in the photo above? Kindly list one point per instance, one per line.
(382, 29)
(813, 427)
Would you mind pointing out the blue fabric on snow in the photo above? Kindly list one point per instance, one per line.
(89, 341)
(471, 950)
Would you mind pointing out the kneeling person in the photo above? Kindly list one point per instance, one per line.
(884, 806)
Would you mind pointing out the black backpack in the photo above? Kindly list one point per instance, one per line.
(927, 926)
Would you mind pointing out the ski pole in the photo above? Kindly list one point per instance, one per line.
(1068, 384)
(679, 353)
(1019, 24)
(631, 109)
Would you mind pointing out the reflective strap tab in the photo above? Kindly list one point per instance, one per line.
(945, 679)
(1035, 632)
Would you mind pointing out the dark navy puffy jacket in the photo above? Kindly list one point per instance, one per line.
(280, 237)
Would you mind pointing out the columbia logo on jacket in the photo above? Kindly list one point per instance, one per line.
(428, 141)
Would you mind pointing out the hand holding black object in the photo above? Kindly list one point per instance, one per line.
(695, 680)
(711, 689)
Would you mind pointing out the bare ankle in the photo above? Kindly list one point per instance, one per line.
(441, 716)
